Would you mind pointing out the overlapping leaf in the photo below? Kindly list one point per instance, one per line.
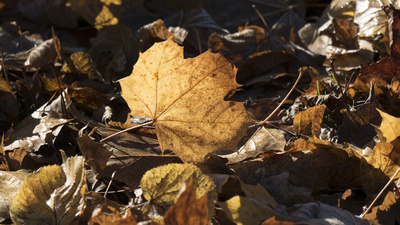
(185, 99)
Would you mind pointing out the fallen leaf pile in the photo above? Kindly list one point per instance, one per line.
(175, 112)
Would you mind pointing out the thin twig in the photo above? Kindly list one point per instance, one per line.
(261, 17)
(109, 184)
(198, 38)
(279, 106)
(380, 193)
(25, 80)
(4, 66)
(126, 130)
(63, 105)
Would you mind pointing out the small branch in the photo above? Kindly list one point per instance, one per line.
(380, 193)
(261, 17)
(109, 184)
(198, 38)
(279, 106)
(63, 105)
(4, 66)
(126, 130)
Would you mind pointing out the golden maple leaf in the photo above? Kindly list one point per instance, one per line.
(185, 99)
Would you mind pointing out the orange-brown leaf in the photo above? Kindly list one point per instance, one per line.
(309, 122)
(95, 154)
(185, 99)
(188, 209)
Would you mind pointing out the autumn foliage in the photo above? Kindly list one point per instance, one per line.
(172, 112)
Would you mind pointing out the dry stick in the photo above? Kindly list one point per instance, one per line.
(261, 17)
(25, 80)
(63, 108)
(198, 38)
(4, 67)
(279, 106)
(126, 130)
(380, 193)
(109, 184)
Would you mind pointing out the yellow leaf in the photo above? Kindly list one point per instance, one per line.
(80, 63)
(105, 18)
(185, 99)
(246, 211)
(258, 192)
(162, 184)
(387, 212)
(52, 195)
(389, 128)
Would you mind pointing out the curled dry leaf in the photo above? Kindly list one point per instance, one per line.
(45, 52)
(309, 122)
(51, 195)
(185, 99)
(10, 183)
(263, 140)
(188, 209)
(162, 184)
(109, 215)
(95, 153)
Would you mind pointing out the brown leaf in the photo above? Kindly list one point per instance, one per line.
(95, 154)
(153, 32)
(309, 122)
(185, 99)
(42, 54)
(261, 108)
(345, 34)
(87, 99)
(387, 212)
(188, 209)
(388, 68)
(356, 126)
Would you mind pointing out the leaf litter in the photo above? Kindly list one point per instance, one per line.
(194, 143)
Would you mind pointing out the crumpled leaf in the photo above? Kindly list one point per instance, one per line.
(162, 184)
(188, 209)
(263, 140)
(192, 119)
(51, 195)
(95, 12)
(387, 212)
(95, 154)
(309, 122)
(48, 50)
(38, 129)
(388, 67)
(389, 129)
(10, 183)
(109, 215)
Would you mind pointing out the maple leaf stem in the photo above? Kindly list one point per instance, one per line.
(4, 67)
(279, 106)
(380, 193)
(63, 105)
(126, 130)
